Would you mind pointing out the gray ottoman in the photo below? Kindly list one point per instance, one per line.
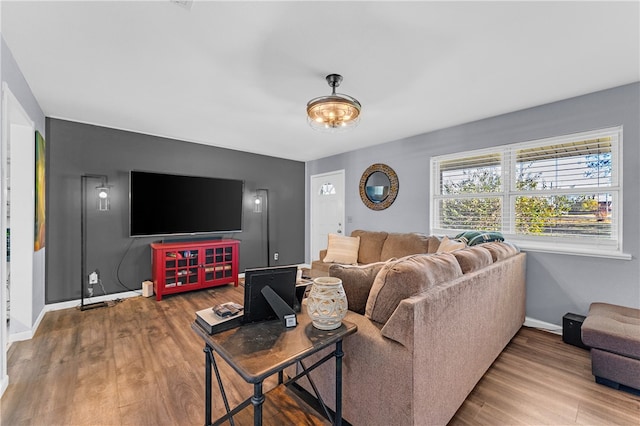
(613, 333)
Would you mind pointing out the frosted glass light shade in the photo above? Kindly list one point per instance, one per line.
(257, 204)
(333, 113)
(102, 195)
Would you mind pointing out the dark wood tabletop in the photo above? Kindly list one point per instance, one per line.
(259, 350)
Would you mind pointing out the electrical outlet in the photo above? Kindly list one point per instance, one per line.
(93, 278)
(276, 256)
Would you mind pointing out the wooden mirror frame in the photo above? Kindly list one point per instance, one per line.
(393, 186)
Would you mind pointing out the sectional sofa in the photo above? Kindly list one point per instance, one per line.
(429, 326)
(373, 246)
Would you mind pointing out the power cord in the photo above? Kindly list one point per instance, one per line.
(102, 287)
(120, 264)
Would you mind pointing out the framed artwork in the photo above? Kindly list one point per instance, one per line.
(40, 190)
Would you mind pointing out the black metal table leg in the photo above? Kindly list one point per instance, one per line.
(211, 361)
(207, 386)
(257, 399)
(302, 343)
(339, 354)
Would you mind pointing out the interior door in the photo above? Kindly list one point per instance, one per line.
(327, 209)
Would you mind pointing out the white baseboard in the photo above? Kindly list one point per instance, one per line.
(38, 321)
(23, 335)
(546, 326)
(3, 384)
(106, 298)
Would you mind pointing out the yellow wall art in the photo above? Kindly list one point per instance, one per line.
(41, 207)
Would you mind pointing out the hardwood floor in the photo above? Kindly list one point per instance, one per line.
(138, 362)
(538, 380)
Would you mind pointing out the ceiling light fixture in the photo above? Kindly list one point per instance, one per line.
(333, 113)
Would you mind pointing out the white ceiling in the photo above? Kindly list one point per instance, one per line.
(239, 74)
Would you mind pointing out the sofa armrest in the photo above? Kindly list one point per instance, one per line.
(400, 327)
(323, 254)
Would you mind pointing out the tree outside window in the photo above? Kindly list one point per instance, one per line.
(560, 188)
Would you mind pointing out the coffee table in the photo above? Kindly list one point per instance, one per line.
(259, 350)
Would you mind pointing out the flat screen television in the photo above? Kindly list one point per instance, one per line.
(167, 204)
(281, 279)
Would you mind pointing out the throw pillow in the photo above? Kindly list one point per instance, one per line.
(341, 249)
(357, 282)
(473, 258)
(447, 245)
(407, 277)
(370, 245)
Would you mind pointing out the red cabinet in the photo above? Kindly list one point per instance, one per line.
(186, 266)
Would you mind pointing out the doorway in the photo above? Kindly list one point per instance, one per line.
(17, 207)
(327, 209)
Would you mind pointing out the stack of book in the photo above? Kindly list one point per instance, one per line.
(220, 318)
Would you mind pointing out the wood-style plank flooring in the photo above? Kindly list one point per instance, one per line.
(539, 380)
(138, 362)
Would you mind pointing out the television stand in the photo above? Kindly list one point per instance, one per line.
(184, 266)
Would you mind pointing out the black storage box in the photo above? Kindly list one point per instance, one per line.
(571, 330)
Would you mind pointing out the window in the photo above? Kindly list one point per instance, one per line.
(327, 189)
(557, 194)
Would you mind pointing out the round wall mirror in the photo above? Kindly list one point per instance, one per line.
(378, 186)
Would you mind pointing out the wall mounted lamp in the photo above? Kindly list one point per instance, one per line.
(257, 203)
(260, 204)
(102, 195)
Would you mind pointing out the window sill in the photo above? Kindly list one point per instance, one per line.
(571, 251)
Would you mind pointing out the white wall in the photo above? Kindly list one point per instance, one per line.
(33, 265)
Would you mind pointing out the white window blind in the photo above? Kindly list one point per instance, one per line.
(471, 188)
(563, 190)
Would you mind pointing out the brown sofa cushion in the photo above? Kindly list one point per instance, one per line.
(370, 245)
(473, 258)
(357, 282)
(406, 277)
(434, 243)
(500, 251)
(401, 245)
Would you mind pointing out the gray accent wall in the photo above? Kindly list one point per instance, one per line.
(76, 149)
(556, 283)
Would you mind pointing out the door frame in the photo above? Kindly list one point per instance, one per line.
(13, 114)
(341, 173)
